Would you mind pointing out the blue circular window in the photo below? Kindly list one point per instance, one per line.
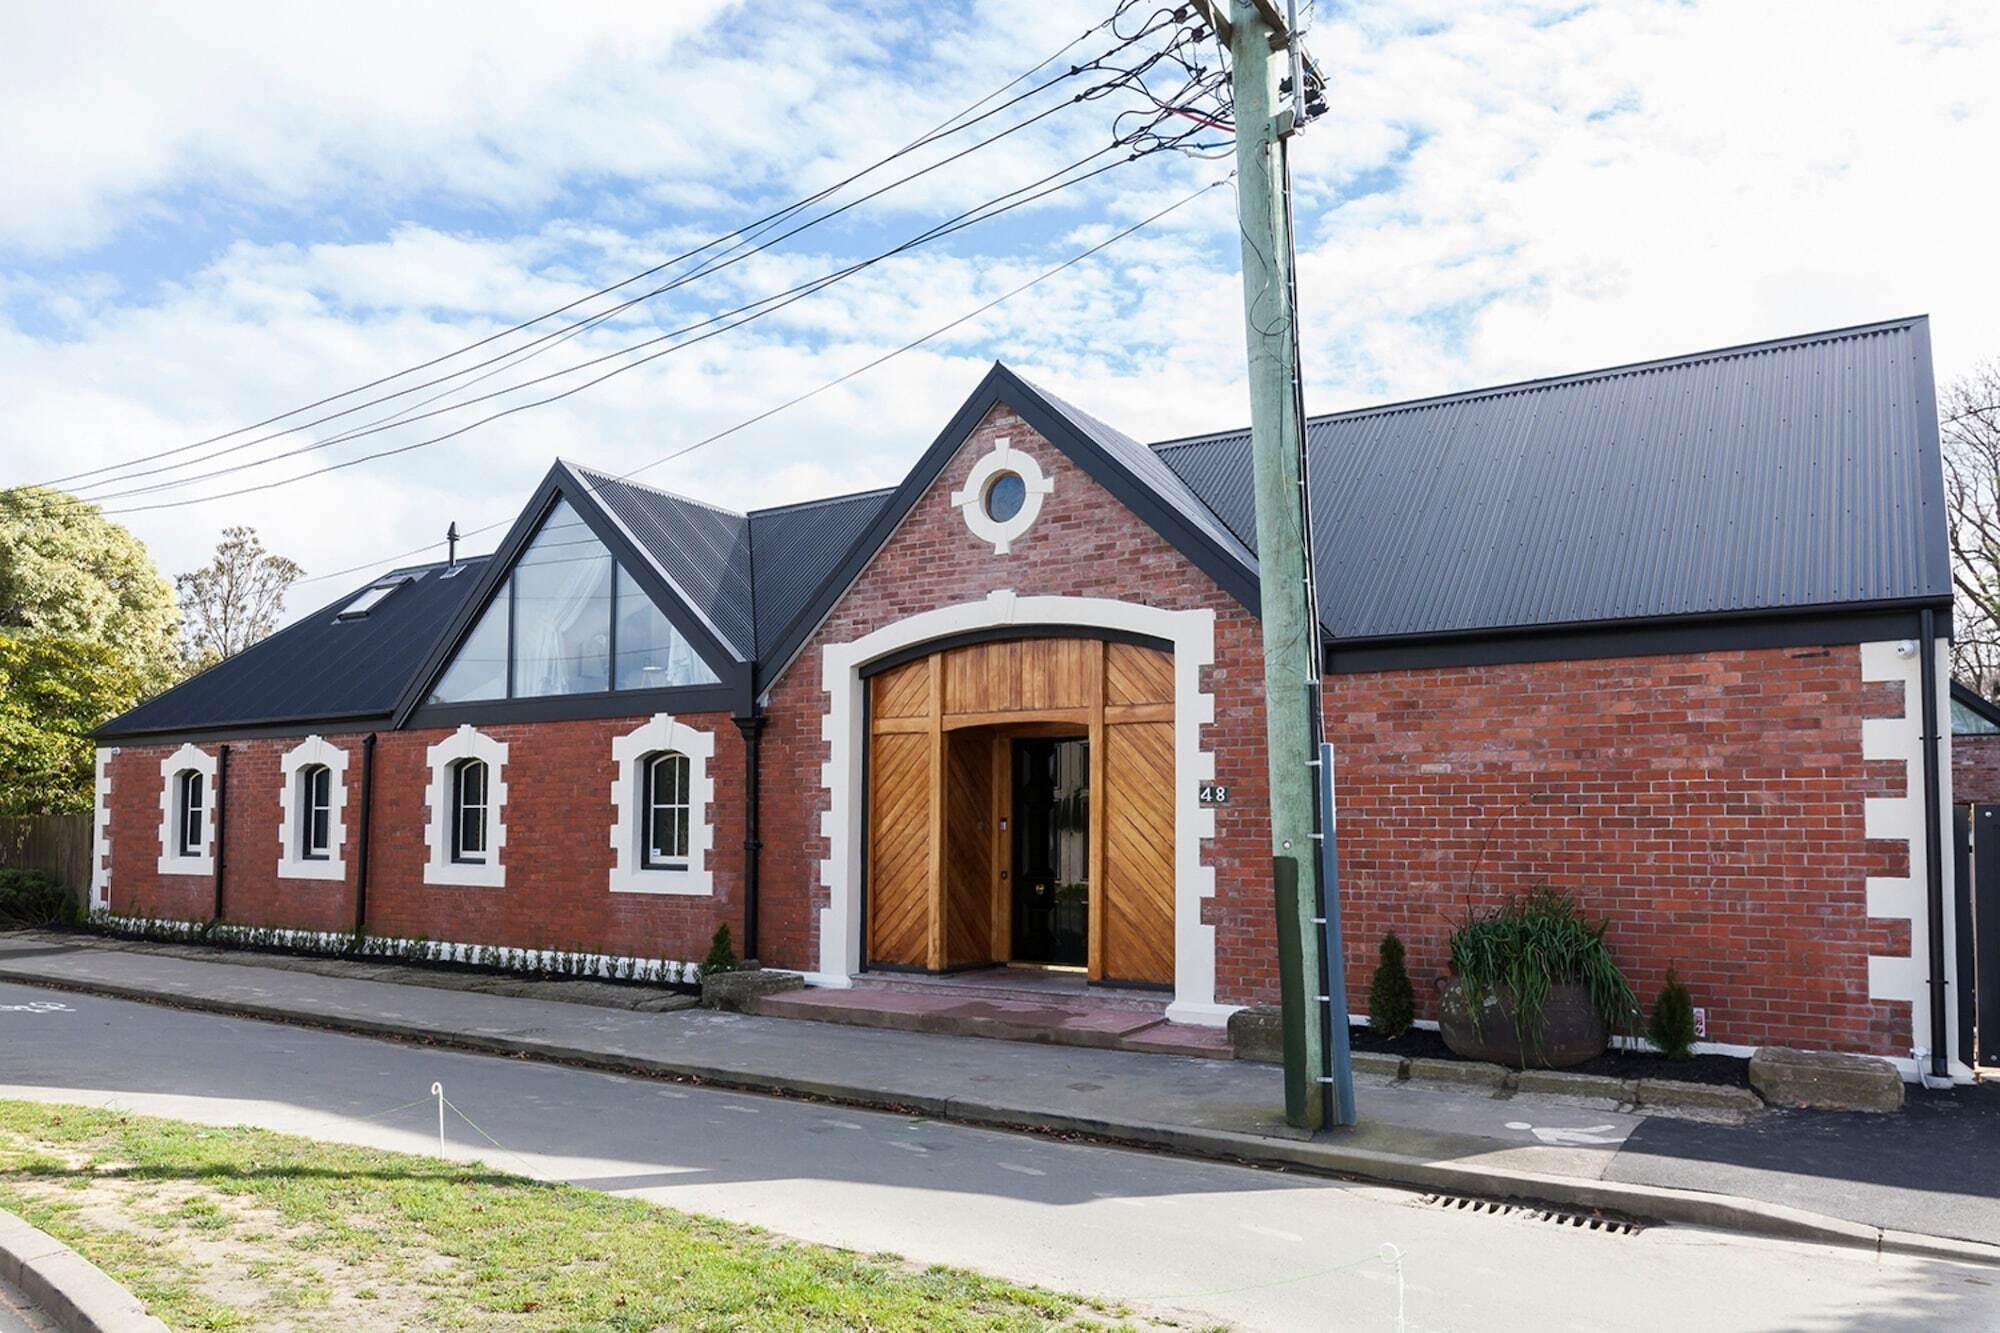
(1005, 495)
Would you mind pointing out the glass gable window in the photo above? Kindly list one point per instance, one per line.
(569, 620)
(652, 654)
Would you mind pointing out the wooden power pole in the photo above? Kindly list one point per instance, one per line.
(1259, 41)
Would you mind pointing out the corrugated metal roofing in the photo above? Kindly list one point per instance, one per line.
(320, 666)
(1779, 475)
(703, 550)
(795, 547)
(1792, 474)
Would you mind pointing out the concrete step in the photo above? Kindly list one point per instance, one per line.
(1016, 987)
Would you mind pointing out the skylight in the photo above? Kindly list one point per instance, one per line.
(370, 597)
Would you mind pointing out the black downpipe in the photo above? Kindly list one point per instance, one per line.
(361, 833)
(1933, 842)
(221, 821)
(752, 728)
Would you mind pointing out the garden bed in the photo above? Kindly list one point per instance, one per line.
(1721, 1070)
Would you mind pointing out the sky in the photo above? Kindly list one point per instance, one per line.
(220, 214)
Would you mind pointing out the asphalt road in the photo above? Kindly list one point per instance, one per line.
(1216, 1243)
(18, 1316)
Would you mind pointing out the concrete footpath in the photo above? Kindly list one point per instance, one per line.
(1919, 1183)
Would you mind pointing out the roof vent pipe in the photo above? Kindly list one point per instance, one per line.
(451, 545)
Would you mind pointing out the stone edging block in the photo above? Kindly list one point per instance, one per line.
(71, 1290)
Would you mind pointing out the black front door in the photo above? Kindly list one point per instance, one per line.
(1051, 851)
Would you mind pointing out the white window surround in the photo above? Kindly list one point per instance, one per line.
(971, 499)
(100, 846)
(439, 868)
(171, 860)
(1192, 634)
(1906, 976)
(629, 873)
(312, 750)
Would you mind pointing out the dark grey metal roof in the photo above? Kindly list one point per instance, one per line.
(1782, 475)
(320, 667)
(703, 550)
(794, 547)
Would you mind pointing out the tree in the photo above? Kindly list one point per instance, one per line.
(53, 690)
(1969, 422)
(66, 570)
(234, 600)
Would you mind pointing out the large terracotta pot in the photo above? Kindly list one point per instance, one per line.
(1572, 1030)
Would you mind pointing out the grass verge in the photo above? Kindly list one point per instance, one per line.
(242, 1228)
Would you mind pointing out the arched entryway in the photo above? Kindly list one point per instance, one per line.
(1021, 804)
(1191, 635)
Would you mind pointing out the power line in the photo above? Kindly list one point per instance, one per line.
(836, 382)
(947, 127)
(749, 313)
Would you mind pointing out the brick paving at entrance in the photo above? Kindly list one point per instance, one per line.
(1005, 1003)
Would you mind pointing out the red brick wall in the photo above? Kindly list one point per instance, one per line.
(558, 852)
(1975, 770)
(1084, 544)
(1709, 806)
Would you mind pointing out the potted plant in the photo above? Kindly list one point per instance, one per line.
(1532, 983)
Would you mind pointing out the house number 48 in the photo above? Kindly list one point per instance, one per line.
(1215, 793)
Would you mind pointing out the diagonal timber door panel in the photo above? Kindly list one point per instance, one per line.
(1138, 890)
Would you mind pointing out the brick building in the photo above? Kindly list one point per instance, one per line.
(1653, 635)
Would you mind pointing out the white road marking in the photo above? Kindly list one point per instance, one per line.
(839, 1124)
(673, 1093)
(1569, 1138)
(907, 1146)
(1020, 1170)
(743, 1110)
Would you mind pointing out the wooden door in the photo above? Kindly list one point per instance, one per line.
(1135, 917)
(969, 866)
(902, 787)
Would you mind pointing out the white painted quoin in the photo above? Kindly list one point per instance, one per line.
(1906, 976)
(291, 865)
(629, 872)
(1192, 634)
(100, 833)
(465, 743)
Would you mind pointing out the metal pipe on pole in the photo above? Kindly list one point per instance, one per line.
(1291, 638)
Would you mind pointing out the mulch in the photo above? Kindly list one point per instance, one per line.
(1424, 1043)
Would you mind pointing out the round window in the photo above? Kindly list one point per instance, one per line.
(1005, 495)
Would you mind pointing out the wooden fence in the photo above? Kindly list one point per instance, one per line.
(56, 844)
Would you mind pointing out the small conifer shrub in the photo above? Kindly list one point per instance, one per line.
(1392, 1004)
(1671, 1027)
(721, 953)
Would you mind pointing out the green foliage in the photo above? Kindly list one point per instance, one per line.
(68, 572)
(721, 953)
(53, 691)
(1392, 1004)
(1528, 946)
(234, 600)
(1671, 1026)
(31, 898)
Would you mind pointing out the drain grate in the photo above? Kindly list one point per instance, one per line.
(1562, 1217)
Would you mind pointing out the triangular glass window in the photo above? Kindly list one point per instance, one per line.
(566, 613)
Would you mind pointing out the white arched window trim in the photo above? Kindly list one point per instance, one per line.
(312, 750)
(629, 872)
(172, 862)
(439, 868)
(970, 500)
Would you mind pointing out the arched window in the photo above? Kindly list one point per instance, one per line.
(190, 790)
(315, 807)
(665, 805)
(468, 811)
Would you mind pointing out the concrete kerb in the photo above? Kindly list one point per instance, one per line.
(1653, 1203)
(67, 1287)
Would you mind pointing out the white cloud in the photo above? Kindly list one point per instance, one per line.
(1495, 195)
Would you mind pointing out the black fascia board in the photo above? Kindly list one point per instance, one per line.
(255, 729)
(561, 483)
(678, 700)
(999, 386)
(1800, 627)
